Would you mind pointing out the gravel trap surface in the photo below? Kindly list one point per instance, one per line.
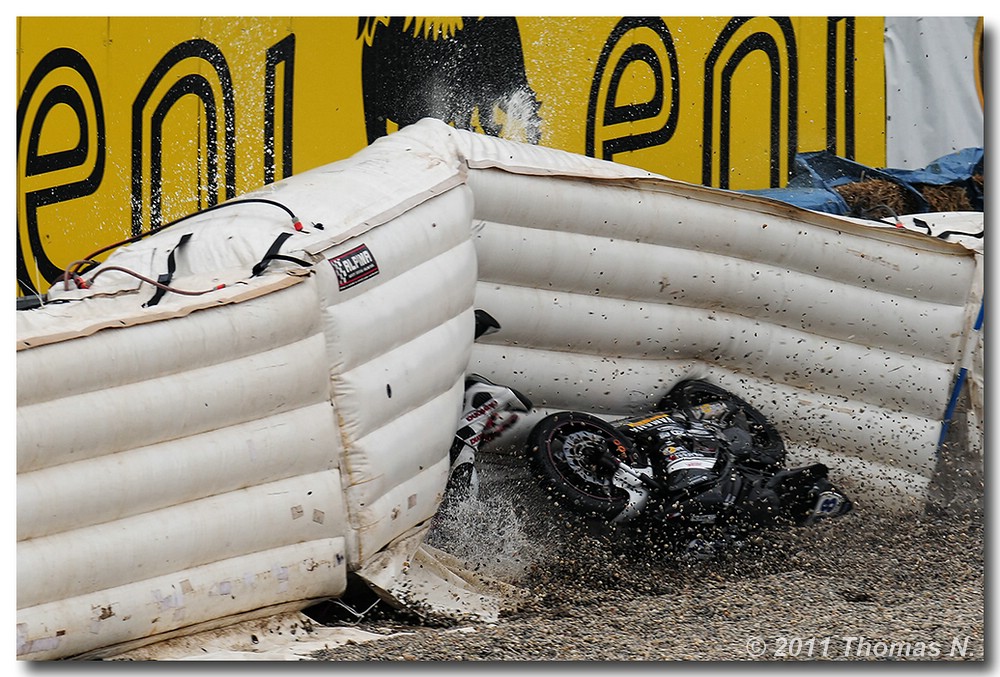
(869, 586)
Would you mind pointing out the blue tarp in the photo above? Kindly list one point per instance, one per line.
(816, 175)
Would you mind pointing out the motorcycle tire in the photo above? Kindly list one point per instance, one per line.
(565, 449)
(767, 441)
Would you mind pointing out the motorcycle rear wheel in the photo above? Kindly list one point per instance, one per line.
(565, 451)
(767, 441)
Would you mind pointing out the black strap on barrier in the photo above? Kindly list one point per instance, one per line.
(272, 254)
(165, 278)
(945, 234)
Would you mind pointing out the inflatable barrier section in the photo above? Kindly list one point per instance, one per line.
(853, 336)
(227, 417)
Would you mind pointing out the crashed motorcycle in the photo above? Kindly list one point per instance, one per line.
(705, 471)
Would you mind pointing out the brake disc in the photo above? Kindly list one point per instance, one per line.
(581, 450)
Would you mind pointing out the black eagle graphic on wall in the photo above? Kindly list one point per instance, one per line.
(466, 71)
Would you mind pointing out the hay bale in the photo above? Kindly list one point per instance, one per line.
(946, 198)
(876, 198)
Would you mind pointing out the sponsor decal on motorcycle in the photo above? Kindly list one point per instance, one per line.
(703, 519)
(698, 463)
(711, 409)
(620, 449)
(828, 503)
(472, 416)
(651, 422)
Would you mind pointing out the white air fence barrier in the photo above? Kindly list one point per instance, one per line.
(281, 417)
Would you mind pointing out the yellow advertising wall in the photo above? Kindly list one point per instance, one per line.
(125, 124)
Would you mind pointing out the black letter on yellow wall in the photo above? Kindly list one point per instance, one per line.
(840, 82)
(147, 127)
(738, 40)
(45, 91)
(644, 47)
(281, 53)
